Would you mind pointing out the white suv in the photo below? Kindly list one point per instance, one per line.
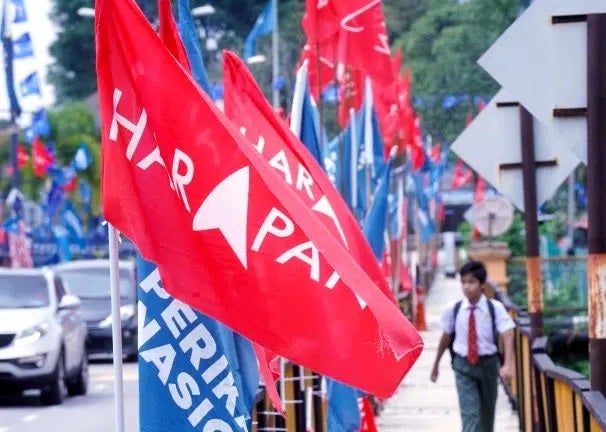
(42, 336)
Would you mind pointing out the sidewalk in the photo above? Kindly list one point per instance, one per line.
(420, 405)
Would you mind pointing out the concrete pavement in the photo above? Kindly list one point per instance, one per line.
(420, 405)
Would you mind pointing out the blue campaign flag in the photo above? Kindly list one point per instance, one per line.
(11, 225)
(310, 127)
(6, 33)
(82, 159)
(451, 101)
(189, 35)
(426, 226)
(20, 12)
(331, 161)
(23, 46)
(53, 199)
(72, 221)
(395, 203)
(62, 239)
(378, 160)
(343, 408)
(86, 193)
(376, 220)
(331, 94)
(263, 26)
(194, 372)
(40, 126)
(30, 85)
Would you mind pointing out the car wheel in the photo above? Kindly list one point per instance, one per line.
(54, 394)
(79, 385)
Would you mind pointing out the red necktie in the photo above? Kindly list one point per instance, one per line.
(472, 339)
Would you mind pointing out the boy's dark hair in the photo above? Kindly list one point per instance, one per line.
(474, 268)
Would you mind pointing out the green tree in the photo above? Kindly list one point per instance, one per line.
(442, 48)
(73, 72)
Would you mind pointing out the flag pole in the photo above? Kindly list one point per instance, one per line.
(275, 54)
(114, 271)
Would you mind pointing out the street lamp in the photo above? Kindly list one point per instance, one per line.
(86, 12)
(256, 59)
(203, 10)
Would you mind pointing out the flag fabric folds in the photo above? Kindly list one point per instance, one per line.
(188, 188)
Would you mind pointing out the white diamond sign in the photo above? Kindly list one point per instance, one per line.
(541, 60)
(493, 139)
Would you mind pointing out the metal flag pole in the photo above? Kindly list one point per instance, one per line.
(275, 55)
(114, 272)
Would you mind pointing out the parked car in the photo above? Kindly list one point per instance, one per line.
(42, 336)
(90, 281)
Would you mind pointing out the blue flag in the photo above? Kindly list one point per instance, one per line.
(332, 161)
(23, 46)
(378, 162)
(82, 159)
(263, 26)
(190, 366)
(73, 223)
(40, 126)
(6, 33)
(376, 219)
(20, 13)
(426, 226)
(189, 35)
(395, 204)
(343, 409)
(310, 128)
(30, 85)
(62, 239)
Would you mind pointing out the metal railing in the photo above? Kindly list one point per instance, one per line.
(549, 398)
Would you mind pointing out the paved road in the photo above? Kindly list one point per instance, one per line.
(91, 413)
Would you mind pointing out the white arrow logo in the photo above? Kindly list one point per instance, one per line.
(226, 209)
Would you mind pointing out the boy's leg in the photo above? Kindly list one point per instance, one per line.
(469, 395)
(488, 392)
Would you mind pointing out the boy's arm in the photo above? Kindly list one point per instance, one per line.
(507, 369)
(443, 346)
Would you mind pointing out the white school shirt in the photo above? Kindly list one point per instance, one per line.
(486, 344)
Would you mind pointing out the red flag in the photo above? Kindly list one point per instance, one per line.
(461, 176)
(367, 415)
(42, 157)
(320, 22)
(169, 33)
(360, 28)
(229, 236)
(246, 105)
(71, 185)
(321, 68)
(22, 156)
(351, 94)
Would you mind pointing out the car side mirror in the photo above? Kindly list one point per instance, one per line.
(69, 302)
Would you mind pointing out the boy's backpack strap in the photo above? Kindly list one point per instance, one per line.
(495, 333)
(455, 312)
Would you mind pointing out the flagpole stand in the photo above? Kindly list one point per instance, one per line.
(114, 271)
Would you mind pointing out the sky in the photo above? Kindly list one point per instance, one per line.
(43, 33)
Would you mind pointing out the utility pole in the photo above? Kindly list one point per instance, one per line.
(533, 259)
(596, 210)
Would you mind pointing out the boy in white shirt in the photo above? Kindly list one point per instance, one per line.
(472, 325)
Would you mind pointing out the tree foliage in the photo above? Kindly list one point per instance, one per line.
(442, 48)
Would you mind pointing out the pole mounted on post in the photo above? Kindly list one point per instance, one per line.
(275, 55)
(533, 259)
(596, 210)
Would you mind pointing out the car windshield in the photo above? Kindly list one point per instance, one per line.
(21, 291)
(95, 283)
